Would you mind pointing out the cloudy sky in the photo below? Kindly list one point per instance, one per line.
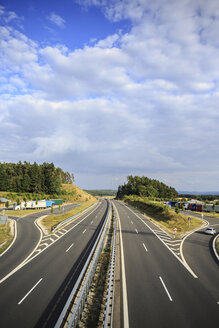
(109, 88)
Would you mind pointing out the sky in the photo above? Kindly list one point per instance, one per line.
(106, 89)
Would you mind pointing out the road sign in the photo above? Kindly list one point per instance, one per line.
(3, 219)
(175, 229)
(189, 219)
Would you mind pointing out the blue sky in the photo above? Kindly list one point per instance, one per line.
(106, 89)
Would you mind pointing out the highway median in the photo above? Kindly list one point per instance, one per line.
(51, 221)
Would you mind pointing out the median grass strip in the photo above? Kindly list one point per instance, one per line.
(5, 236)
(52, 221)
(163, 215)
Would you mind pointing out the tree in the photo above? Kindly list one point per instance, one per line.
(7, 204)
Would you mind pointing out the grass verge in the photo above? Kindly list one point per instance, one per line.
(51, 221)
(217, 245)
(214, 215)
(163, 215)
(5, 236)
(21, 212)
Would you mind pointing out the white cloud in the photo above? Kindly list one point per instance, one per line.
(56, 19)
(145, 102)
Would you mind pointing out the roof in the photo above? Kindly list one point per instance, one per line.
(4, 200)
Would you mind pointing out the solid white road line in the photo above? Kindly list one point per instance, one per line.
(30, 291)
(170, 298)
(84, 231)
(124, 287)
(70, 247)
(29, 258)
(184, 263)
(136, 230)
(145, 247)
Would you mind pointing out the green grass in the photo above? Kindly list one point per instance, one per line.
(52, 220)
(215, 215)
(21, 212)
(5, 235)
(217, 245)
(163, 215)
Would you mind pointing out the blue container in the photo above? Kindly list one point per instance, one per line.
(48, 203)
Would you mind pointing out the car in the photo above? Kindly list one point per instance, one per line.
(210, 231)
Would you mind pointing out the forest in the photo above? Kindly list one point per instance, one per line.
(33, 178)
(143, 186)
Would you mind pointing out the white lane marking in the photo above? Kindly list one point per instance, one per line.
(30, 291)
(166, 289)
(145, 247)
(124, 287)
(70, 247)
(128, 216)
(84, 231)
(131, 222)
(15, 237)
(184, 263)
(136, 230)
(92, 222)
(29, 258)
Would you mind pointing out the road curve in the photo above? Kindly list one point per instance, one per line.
(35, 295)
(28, 236)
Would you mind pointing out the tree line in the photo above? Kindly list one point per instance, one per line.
(33, 178)
(143, 186)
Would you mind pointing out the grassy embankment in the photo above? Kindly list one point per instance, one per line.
(217, 245)
(5, 236)
(213, 215)
(167, 218)
(74, 195)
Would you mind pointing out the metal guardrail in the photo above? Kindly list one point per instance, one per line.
(71, 218)
(110, 294)
(3, 243)
(74, 318)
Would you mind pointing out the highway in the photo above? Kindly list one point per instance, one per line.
(35, 295)
(161, 291)
(27, 238)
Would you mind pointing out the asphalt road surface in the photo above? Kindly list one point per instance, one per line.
(28, 236)
(35, 295)
(160, 290)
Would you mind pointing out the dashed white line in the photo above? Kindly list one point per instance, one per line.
(136, 230)
(70, 247)
(145, 247)
(170, 298)
(84, 230)
(30, 291)
(131, 222)
(92, 222)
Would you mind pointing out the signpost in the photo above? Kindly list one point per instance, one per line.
(189, 219)
(3, 219)
(175, 230)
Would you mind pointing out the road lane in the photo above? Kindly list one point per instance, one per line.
(28, 236)
(148, 303)
(57, 271)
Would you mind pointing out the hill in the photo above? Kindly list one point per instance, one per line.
(73, 193)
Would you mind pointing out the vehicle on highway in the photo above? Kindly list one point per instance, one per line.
(210, 231)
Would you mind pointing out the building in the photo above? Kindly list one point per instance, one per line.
(3, 202)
